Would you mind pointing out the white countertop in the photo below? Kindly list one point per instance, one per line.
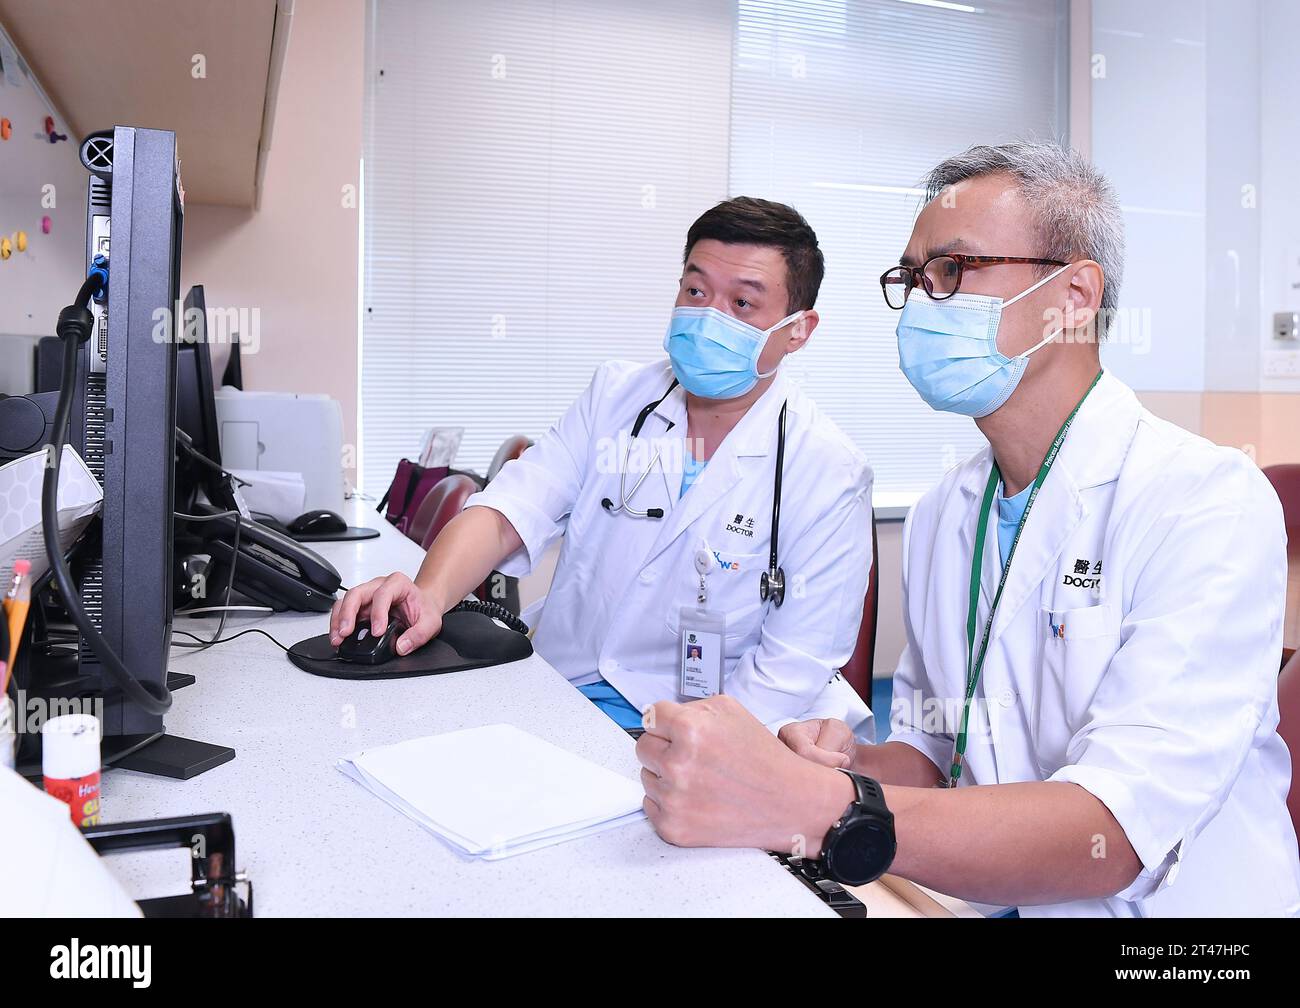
(316, 844)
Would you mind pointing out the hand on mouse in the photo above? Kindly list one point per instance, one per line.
(381, 597)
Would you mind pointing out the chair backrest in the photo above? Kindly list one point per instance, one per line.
(443, 503)
(860, 666)
(1286, 481)
(511, 448)
(1288, 702)
(411, 484)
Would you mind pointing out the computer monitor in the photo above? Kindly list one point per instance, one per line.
(196, 412)
(123, 425)
(126, 428)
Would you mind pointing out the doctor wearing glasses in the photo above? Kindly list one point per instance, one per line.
(717, 527)
(1085, 712)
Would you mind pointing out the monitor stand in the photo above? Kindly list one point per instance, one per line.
(171, 756)
(159, 754)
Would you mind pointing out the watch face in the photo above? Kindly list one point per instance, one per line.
(861, 852)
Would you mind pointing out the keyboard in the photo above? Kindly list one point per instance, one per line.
(830, 892)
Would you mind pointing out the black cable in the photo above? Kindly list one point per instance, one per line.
(494, 610)
(184, 441)
(205, 644)
(75, 322)
(95, 282)
(234, 559)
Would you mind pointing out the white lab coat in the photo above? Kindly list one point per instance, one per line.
(1159, 695)
(47, 869)
(614, 603)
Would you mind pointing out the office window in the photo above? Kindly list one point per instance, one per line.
(531, 170)
(530, 173)
(839, 107)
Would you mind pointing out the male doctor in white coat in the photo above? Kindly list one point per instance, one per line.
(662, 479)
(1085, 713)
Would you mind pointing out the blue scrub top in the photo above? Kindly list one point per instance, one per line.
(1010, 511)
(690, 472)
(611, 702)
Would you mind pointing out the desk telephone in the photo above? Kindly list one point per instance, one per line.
(270, 569)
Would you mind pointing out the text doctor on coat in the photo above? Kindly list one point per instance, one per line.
(1085, 712)
(717, 527)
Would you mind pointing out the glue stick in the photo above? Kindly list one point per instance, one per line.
(70, 764)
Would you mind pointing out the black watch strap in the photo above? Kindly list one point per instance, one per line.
(860, 846)
(870, 798)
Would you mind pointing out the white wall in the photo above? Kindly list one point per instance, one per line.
(36, 284)
(1234, 203)
(1279, 238)
(1149, 138)
(1195, 121)
(295, 258)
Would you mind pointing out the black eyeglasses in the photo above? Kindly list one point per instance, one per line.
(940, 276)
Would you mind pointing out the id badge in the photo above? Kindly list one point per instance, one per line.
(703, 636)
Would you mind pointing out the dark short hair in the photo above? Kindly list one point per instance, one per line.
(749, 221)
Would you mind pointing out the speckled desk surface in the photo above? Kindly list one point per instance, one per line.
(316, 844)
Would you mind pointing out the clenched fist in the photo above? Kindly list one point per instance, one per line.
(714, 776)
(827, 741)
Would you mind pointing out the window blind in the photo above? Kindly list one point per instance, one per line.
(531, 169)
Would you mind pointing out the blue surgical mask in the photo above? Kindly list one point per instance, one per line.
(949, 350)
(715, 355)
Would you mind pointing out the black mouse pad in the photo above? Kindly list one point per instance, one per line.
(353, 533)
(319, 657)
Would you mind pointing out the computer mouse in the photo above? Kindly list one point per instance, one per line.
(319, 522)
(361, 647)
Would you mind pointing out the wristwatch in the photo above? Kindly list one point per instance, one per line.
(860, 846)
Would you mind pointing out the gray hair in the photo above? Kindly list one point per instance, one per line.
(1078, 213)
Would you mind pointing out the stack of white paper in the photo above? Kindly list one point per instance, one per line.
(496, 791)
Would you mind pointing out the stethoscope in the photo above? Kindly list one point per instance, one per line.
(771, 585)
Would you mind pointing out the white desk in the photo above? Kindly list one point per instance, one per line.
(316, 844)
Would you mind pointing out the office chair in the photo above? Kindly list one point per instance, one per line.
(1286, 481)
(1288, 702)
(502, 588)
(443, 503)
(511, 448)
(858, 670)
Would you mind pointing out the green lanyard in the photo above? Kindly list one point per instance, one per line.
(974, 660)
